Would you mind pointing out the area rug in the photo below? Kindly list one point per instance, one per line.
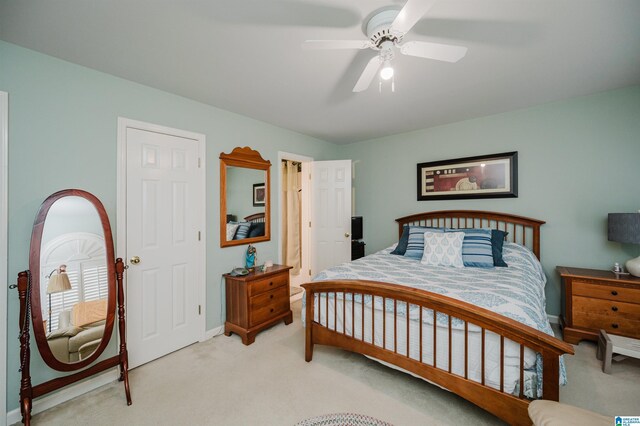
(343, 419)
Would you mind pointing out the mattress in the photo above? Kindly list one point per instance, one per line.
(516, 292)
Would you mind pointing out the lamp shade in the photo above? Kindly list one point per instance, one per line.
(624, 227)
(59, 281)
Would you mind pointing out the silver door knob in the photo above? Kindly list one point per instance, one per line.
(134, 260)
(347, 235)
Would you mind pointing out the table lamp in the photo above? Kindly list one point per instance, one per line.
(625, 228)
(58, 282)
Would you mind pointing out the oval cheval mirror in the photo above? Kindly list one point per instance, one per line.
(71, 291)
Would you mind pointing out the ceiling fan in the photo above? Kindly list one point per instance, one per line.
(386, 30)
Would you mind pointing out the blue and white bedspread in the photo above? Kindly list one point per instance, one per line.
(517, 291)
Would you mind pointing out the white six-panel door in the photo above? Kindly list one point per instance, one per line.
(331, 214)
(164, 222)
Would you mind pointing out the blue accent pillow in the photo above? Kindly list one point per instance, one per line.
(256, 230)
(243, 230)
(402, 243)
(497, 242)
(477, 251)
(415, 241)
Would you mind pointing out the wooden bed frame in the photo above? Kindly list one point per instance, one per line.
(508, 407)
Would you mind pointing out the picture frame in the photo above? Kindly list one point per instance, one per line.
(484, 176)
(259, 194)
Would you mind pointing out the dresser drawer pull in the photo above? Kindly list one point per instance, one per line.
(614, 293)
(271, 297)
(614, 325)
(271, 283)
(613, 308)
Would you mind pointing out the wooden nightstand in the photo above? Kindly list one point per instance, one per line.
(257, 301)
(596, 300)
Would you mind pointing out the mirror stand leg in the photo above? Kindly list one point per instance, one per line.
(25, 352)
(124, 356)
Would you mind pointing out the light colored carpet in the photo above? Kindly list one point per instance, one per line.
(223, 382)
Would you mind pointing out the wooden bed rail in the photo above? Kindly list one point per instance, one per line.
(511, 408)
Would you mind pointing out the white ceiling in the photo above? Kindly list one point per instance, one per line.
(245, 55)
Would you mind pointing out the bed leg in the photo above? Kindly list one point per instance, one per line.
(550, 377)
(308, 347)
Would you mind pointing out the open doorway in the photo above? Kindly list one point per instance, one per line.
(294, 217)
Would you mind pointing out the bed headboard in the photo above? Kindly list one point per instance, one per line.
(522, 230)
(255, 218)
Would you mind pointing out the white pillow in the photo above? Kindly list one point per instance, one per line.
(231, 230)
(443, 249)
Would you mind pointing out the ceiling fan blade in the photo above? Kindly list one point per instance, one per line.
(336, 44)
(437, 51)
(367, 75)
(411, 13)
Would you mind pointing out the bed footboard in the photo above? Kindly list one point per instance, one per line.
(331, 319)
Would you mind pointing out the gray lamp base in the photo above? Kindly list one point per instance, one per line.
(633, 266)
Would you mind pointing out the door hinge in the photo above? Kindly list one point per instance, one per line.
(198, 235)
(199, 162)
(199, 309)
(309, 176)
(309, 272)
(309, 224)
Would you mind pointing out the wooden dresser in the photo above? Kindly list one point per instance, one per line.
(596, 300)
(257, 301)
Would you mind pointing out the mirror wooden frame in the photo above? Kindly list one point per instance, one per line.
(30, 306)
(249, 159)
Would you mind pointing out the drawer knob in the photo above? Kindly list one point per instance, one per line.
(614, 325)
(270, 282)
(614, 293)
(271, 297)
(614, 308)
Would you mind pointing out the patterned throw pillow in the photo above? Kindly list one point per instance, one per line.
(231, 230)
(415, 241)
(477, 250)
(443, 249)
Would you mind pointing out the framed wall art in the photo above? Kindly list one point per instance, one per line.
(259, 193)
(485, 176)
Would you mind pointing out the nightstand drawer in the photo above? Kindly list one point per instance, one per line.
(267, 284)
(267, 305)
(587, 289)
(584, 306)
(618, 326)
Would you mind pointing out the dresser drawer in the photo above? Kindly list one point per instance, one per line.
(267, 284)
(618, 326)
(607, 308)
(267, 305)
(587, 289)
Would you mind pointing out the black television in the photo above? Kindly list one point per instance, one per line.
(356, 227)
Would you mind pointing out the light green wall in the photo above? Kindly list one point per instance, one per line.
(578, 160)
(60, 113)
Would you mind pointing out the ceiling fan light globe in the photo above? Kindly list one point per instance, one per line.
(386, 73)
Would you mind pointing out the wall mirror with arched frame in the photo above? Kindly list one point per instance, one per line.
(245, 215)
(70, 294)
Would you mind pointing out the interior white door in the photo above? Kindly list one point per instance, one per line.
(164, 205)
(331, 213)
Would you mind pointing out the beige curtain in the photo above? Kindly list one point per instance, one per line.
(291, 215)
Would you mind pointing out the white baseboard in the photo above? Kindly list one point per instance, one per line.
(553, 319)
(296, 297)
(70, 392)
(210, 334)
